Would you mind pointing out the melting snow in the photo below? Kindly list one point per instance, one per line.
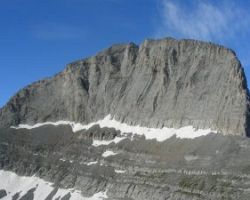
(191, 157)
(13, 184)
(99, 195)
(92, 163)
(107, 142)
(160, 134)
(108, 153)
(120, 171)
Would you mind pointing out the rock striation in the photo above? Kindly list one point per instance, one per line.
(209, 167)
(161, 83)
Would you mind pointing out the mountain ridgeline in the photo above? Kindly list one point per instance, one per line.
(161, 83)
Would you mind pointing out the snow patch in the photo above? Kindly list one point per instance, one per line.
(160, 134)
(108, 153)
(92, 163)
(99, 195)
(13, 184)
(191, 157)
(119, 171)
(107, 142)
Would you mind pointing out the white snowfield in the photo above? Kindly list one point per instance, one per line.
(107, 142)
(13, 184)
(92, 163)
(108, 153)
(119, 171)
(160, 134)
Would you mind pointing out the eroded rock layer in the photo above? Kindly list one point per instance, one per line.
(209, 167)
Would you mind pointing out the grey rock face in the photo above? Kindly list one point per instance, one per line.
(2, 194)
(209, 167)
(160, 83)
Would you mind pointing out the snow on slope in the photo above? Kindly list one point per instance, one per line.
(107, 142)
(119, 171)
(92, 163)
(12, 184)
(108, 153)
(160, 134)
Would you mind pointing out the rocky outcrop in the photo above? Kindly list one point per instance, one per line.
(166, 82)
(209, 167)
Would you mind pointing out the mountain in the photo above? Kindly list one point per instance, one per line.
(166, 120)
(161, 83)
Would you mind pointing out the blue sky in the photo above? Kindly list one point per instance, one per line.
(39, 37)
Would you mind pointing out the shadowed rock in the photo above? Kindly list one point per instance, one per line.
(3, 193)
(29, 195)
(16, 196)
(52, 194)
(66, 197)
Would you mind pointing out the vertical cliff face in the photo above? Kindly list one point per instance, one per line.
(166, 82)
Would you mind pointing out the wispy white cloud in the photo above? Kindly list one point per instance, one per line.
(203, 20)
(55, 31)
(225, 22)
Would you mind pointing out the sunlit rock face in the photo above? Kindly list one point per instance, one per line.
(131, 123)
(161, 83)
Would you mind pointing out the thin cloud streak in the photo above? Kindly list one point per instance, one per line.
(204, 21)
(224, 22)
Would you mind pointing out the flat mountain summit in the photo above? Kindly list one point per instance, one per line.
(161, 83)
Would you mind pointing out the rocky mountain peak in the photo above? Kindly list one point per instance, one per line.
(161, 83)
